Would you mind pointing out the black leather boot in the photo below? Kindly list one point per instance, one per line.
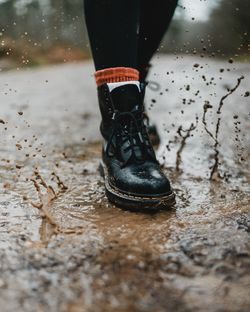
(132, 175)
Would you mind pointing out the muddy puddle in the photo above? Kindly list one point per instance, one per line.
(64, 247)
(193, 255)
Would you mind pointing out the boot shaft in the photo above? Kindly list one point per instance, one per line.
(121, 99)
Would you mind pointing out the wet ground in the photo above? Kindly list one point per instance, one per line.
(63, 247)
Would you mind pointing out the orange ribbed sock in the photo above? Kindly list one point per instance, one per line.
(116, 74)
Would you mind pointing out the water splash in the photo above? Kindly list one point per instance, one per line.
(214, 174)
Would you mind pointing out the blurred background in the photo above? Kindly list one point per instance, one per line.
(38, 32)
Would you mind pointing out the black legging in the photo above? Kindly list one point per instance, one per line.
(126, 33)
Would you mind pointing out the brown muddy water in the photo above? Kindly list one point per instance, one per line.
(64, 247)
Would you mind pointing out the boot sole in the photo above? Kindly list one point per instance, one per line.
(132, 202)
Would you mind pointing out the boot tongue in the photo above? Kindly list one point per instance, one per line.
(126, 97)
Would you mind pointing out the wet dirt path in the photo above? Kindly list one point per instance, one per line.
(63, 247)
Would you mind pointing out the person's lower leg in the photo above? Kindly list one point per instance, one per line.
(155, 19)
(113, 32)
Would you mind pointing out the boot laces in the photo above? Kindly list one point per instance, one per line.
(129, 128)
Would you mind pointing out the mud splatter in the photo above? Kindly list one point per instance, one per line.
(214, 174)
(231, 91)
(184, 134)
(60, 183)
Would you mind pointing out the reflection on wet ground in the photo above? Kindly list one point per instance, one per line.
(64, 247)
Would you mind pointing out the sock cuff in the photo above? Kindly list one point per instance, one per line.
(116, 74)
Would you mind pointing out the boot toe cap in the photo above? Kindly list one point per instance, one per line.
(146, 181)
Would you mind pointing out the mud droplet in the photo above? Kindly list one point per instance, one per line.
(19, 146)
(207, 105)
(7, 185)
